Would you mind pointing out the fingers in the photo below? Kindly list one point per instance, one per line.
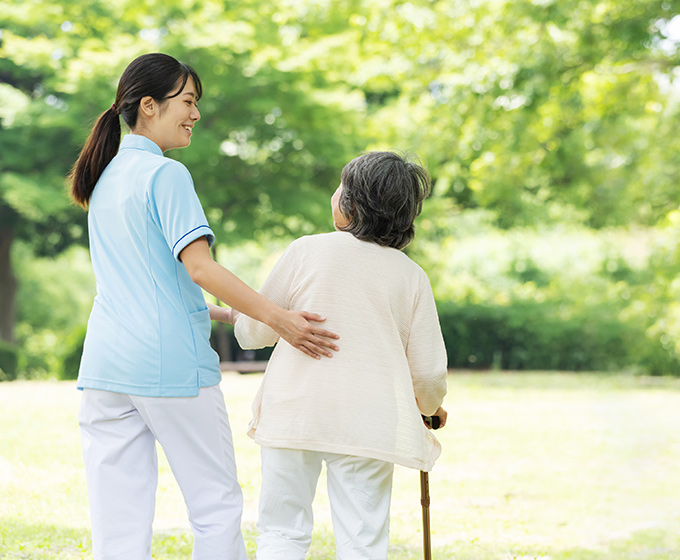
(301, 334)
(313, 316)
(320, 347)
(322, 340)
(318, 339)
(307, 351)
(325, 335)
(443, 415)
(314, 350)
(319, 319)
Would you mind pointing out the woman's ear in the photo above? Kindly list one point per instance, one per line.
(148, 106)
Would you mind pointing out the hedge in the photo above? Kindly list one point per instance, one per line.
(9, 361)
(522, 335)
(72, 352)
(533, 335)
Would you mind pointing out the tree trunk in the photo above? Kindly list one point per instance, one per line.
(8, 286)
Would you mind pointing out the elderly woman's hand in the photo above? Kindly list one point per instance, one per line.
(442, 414)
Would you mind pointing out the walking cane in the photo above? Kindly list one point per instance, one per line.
(434, 423)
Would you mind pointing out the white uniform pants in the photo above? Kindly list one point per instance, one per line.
(359, 490)
(119, 434)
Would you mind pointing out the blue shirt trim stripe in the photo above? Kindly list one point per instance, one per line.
(187, 233)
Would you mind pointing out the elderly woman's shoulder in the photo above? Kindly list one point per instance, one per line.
(324, 239)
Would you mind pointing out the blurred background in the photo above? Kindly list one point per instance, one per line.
(550, 129)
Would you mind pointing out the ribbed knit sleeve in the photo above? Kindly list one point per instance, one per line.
(252, 334)
(426, 353)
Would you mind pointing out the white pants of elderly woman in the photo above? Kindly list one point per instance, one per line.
(119, 434)
(359, 490)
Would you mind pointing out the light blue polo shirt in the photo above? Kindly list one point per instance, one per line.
(148, 333)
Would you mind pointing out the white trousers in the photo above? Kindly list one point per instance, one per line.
(359, 490)
(119, 434)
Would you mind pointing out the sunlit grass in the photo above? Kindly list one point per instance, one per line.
(549, 466)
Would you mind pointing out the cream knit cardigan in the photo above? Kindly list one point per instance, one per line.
(390, 368)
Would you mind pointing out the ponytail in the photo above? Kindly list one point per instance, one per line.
(99, 150)
(157, 75)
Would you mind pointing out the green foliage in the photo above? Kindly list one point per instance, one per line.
(539, 111)
(528, 335)
(262, 156)
(528, 113)
(556, 298)
(9, 358)
(40, 351)
(655, 303)
(53, 301)
(71, 353)
(55, 292)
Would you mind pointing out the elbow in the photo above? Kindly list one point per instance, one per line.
(430, 393)
(429, 404)
(197, 273)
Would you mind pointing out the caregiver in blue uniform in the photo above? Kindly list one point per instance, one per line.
(148, 372)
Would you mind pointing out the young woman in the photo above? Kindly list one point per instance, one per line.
(360, 412)
(148, 373)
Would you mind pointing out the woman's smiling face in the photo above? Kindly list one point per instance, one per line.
(170, 124)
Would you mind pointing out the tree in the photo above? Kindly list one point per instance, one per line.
(267, 152)
(538, 110)
(35, 148)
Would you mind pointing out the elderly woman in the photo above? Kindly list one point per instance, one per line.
(361, 411)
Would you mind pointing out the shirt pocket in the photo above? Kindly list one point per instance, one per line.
(200, 324)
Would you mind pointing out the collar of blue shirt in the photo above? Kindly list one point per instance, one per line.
(138, 142)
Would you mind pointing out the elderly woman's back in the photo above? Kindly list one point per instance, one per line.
(368, 399)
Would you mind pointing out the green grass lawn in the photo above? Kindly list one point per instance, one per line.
(549, 466)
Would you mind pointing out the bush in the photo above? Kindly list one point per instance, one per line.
(40, 350)
(530, 335)
(563, 298)
(73, 350)
(9, 361)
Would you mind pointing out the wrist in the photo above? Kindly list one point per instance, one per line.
(218, 313)
(226, 315)
(274, 316)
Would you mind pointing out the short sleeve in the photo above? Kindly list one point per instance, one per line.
(176, 209)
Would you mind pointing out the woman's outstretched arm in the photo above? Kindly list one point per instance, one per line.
(296, 327)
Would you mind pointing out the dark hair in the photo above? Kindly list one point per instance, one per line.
(156, 75)
(382, 194)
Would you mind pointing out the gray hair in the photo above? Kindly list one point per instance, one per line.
(382, 194)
